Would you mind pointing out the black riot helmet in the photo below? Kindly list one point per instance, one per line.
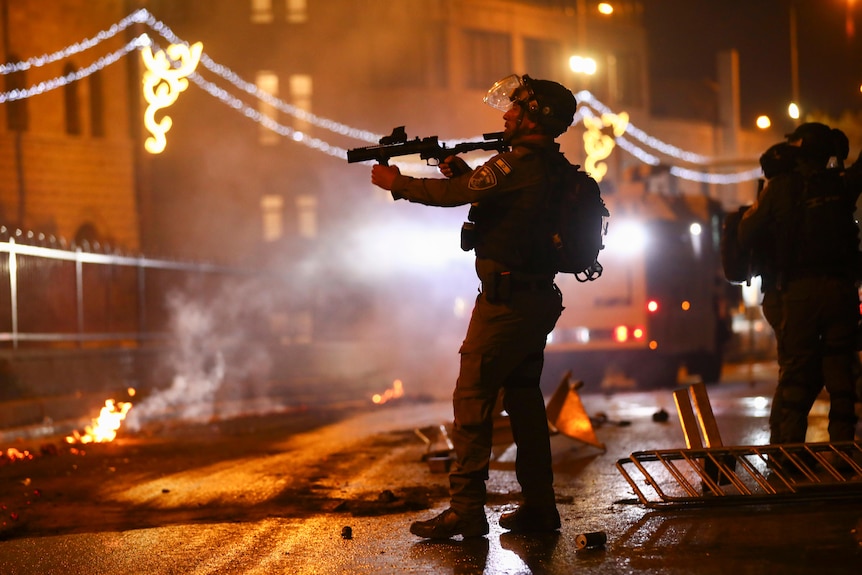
(815, 140)
(842, 145)
(548, 103)
(779, 159)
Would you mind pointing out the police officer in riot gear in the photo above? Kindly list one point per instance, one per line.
(805, 215)
(518, 306)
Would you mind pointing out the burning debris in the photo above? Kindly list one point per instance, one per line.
(13, 455)
(104, 428)
(14, 506)
(396, 391)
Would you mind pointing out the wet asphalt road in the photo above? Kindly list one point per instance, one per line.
(274, 494)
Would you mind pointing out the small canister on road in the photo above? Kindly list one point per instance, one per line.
(591, 540)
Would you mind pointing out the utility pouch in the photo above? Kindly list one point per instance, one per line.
(499, 289)
(468, 236)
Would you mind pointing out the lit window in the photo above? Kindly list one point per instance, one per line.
(261, 11)
(296, 11)
(272, 211)
(306, 214)
(267, 82)
(300, 96)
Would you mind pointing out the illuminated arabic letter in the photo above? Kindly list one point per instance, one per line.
(599, 145)
(163, 84)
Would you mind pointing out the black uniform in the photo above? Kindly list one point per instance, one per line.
(516, 310)
(811, 299)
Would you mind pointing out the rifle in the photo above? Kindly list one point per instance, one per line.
(429, 149)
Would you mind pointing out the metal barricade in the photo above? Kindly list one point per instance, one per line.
(709, 473)
(744, 475)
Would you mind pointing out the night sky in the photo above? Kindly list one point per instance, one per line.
(686, 35)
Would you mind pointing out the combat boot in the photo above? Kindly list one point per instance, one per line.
(531, 519)
(449, 523)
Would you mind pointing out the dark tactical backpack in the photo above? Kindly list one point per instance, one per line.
(579, 226)
(738, 264)
(826, 236)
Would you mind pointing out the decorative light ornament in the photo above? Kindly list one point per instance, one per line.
(587, 98)
(163, 84)
(599, 145)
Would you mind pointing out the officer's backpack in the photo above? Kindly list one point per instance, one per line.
(579, 225)
(825, 236)
(738, 264)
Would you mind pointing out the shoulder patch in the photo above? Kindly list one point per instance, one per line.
(503, 166)
(482, 179)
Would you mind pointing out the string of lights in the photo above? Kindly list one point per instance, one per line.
(74, 76)
(143, 16)
(650, 159)
(280, 129)
(720, 179)
(226, 73)
(641, 136)
(38, 61)
(637, 152)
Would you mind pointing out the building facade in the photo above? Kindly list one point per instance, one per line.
(67, 156)
(254, 171)
(246, 178)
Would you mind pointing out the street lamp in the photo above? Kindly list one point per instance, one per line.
(793, 110)
(583, 65)
(763, 122)
(794, 60)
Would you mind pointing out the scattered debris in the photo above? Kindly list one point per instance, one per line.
(386, 496)
(601, 418)
(440, 463)
(438, 448)
(591, 540)
(387, 502)
(566, 413)
(436, 440)
(661, 416)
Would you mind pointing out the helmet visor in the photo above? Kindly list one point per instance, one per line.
(500, 94)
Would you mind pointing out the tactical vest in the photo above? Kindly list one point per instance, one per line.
(514, 228)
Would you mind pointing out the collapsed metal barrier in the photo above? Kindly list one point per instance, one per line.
(744, 474)
(708, 473)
